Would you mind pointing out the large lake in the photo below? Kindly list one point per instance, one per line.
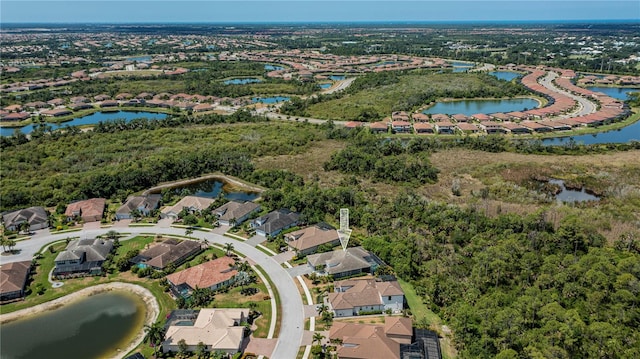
(621, 93)
(90, 120)
(505, 75)
(94, 327)
(471, 107)
(623, 135)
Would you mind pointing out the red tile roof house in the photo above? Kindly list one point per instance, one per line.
(400, 127)
(491, 127)
(109, 103)
(307, 240)
(445, 127)
(468, 127)
(13, 108)
(481, 117)
(202, 107)
(215, 274)
(233, 213)
(367, 341)
(358, 296)
(379, 127)
(460, 117)
(420, 117)
(17, 116)
(171, 251)
(56, 112)
(13, 280)
(90, 210)
(101, 97)
(515, 128)
(353, 124)
(423, 127)
(440, 117)
(79, 106)
(536, 126)
(56, 102)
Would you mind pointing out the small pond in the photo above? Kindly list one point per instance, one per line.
(572, 195)
(459, 66)
(212, 189)
(274, 99)
(620, 93)
(242, 81)
(472, 107)
(337, 77)
(273, 68)
(139, 58)
(90, 120)
(94, 327)
(505, 75)
(324, 86)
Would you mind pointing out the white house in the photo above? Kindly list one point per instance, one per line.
(359, 296)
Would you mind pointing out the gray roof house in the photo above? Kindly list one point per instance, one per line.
(13, 280)
(83, 256)
(240, 211)
(145, 204)
(340, 264)
(37, 217)
(171, 251)
(275, 222)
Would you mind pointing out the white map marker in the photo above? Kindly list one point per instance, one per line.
(344, 233)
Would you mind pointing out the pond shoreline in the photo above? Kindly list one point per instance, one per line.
(217, 176)
(151, 305)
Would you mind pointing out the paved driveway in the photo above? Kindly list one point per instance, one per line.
(299, 270)
(255, 240)
(292, 319)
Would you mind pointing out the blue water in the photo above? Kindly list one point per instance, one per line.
(336, 77)
(275, 99)
(462, 66)
(213, 188)
(621, 93)
(90, 120)
(139, 58)
(623, 135)
(242, 81)
(505, 75)
(471, 107)
(572, 195)
(273, 68)
(324, 86)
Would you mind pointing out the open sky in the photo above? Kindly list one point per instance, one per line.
(265, 11)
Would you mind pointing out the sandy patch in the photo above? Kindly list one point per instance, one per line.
(150, 302)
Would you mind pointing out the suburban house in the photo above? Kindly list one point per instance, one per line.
(352, 297)
(365, 341)
(307, 240)
(193, 204)
(215, 274)
(90, 210)
(275, 222)
(37, 217)
(344, 263)
(378, 127)
(445, 127)
(400, 126)
(83, 256)
(220, 329)
(423, 127)
(234, 212)
(144, 204)
(168, 252)
(13, 280)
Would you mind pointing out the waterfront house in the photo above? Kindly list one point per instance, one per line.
(191, 204)
(144, 204)
(170, 251)
(109, 103)
(83, 256)
(37, 217)
(379, 127)
(219, 329)
(399, 126)
(307, 240)
(445, 127)
(16, 116)
(56, 112)
(356, 296)
(272, 223)
(420, 117)
(233, 213)
(491, 127)
(215, 274)
(13, 280)
(466, 127)
(423, 127)
(90, 210)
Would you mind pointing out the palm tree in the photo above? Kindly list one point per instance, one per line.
(317, 337)
(228, 248)
(188, 231)
(11, 244)
(201, 351)
(154, 335)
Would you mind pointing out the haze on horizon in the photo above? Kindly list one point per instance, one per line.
(267, 11)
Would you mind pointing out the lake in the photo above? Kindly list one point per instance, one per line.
(324, 86)
(139, 58)
(621, 93)
(337, 77)
(242, 81)
(623, 135)
(94, 327)
(471, 107)
(459, 66)
(212, 188)
(274, 99)
(273, 68)
(90, 120)
(505, 75)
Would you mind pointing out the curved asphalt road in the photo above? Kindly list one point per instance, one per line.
(292, 323)
(585, 106)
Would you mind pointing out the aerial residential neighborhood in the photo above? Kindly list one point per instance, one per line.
(319, 179)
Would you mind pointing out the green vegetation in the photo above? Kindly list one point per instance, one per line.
(374, 96)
